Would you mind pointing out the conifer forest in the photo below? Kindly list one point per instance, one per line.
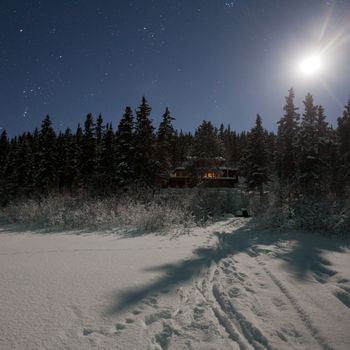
(307, 157)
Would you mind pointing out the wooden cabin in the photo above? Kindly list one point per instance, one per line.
(215, 177)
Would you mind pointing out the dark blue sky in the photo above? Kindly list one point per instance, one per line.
(217, 60)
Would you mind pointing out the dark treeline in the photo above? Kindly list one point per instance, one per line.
(307, 156)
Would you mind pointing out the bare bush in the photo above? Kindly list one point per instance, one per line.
(140, 212)
(327, 214)
(207, 204)
(126, 213)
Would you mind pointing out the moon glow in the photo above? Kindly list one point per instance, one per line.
(310, 65)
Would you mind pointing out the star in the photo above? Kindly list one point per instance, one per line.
(230, 4)
(25, 113)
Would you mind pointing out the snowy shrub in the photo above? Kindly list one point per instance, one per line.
(322, 214)
(141, 212)
(207, 204)
(125, 213)
(151, 216)
(271, 213)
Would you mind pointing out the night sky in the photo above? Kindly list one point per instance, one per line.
(216, 60)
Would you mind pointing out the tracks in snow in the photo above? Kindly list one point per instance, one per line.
(303, 315)
(244, 295)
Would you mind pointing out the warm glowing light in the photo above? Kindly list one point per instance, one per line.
(210, 174)
(311, 65)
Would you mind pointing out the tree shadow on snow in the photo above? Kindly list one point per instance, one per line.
(300, 253)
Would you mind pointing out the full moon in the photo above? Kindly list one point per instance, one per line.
(310, 65)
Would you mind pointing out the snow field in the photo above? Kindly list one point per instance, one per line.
(227, 286)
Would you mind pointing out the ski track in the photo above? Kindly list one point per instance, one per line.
(315, 333)
(238, 327)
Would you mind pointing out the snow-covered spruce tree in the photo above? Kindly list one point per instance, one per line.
(125, 150)
(100, 129)
(254, 165)
(4, 150)
(22, 175)
(88, 153)
(60, 155)
(228, 143)
(206, 142)
(308, 161)
(242, 144)
(343, 133)
(9, 184)
(314, 151)
(69, 162)
(286, 148)
(106, 161)
(327, 152)
(145, 166)
(206, 149)
(230, 146)
(313, 209)
(102, 176)
(164, 146)
(270, 138)
(182, 148)
(45, 158)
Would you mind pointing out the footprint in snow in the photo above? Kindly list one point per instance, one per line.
(157, 316)
(198, 313)
(87, 331)
(120, 326)
(278, 302)
(234, 292)
(250, 290)
(229, 280)
(151, 301)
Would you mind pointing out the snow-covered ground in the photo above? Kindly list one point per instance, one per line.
(228, 286)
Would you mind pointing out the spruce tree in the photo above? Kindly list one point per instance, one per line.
(9, 178)
(100, 128)
(125, 150)
(308, 157)
(255, 162)
(206, 151)
(164, 146)
(99, 176)
(326, 150)
(88, 153)
(145, 166)
(45, 158)
(230, 147)
(4, 147)
(343, 133)
(286, 154)
(206, 142)
(70, 162)
(4, 150)
(182, 148)
(106, 162)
